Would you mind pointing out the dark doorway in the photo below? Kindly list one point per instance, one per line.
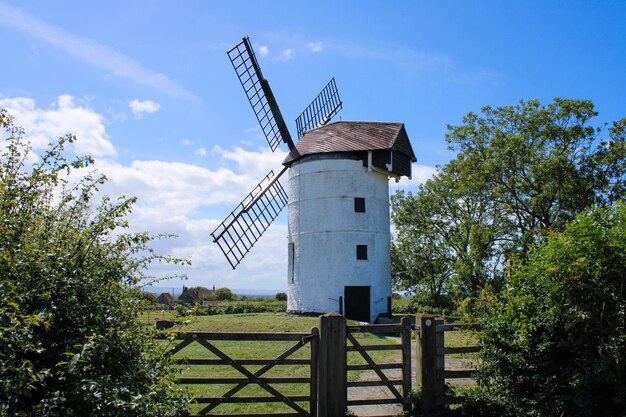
(357, 303)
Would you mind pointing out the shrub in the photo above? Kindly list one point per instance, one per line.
(281, 296)
(223, 294)
(70, 344)
(555, 344)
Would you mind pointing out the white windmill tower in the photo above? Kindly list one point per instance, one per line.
(338, 200)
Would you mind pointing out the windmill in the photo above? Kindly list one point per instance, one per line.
(338, 197)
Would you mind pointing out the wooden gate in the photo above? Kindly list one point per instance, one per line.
(397, 387)
(248, 374)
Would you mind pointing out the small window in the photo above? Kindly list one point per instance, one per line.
(359, 204)
(361, 252)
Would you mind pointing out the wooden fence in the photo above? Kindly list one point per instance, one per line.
(221, 358)
(398, 396)
(431, 362)
(328, 368)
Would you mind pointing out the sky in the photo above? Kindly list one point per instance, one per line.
(149, 91)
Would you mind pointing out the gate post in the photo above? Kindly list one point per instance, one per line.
(427, 362)
(332, 379)
(405, 338)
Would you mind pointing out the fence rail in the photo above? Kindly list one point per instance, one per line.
(398, 388)
(247, 377)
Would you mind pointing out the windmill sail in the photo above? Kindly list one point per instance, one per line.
(244, 226)
(326, 105)
(259, 95)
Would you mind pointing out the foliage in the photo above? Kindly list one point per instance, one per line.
(263, 305)
(555, 344)
(281, 296)
(519, 172)
(416, 305)
(223, 294)
(70, 344)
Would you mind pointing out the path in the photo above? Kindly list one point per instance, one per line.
(383, 392)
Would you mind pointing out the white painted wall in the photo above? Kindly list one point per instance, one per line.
(324, 231)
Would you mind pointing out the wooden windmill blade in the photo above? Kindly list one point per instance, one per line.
(243, 227)
(323, 108)
(259, 95)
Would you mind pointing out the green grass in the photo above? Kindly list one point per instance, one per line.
(258, 322)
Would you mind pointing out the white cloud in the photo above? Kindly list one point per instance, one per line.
(256, 164)
(421, 174)
(92, 52)
(315, 46)
(286, 55)
(173, 197)
(181, 198)
(200, 152)
(61, 118)
(264, 50)
(139, 108)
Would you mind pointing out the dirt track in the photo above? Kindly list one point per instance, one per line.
(383, 392)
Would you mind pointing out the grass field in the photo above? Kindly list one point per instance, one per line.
(256, 322)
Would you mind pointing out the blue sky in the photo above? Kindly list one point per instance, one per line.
(148, 88)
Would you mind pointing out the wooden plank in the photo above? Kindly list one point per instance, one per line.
(440, 364)
(257, 374)
(313, 371)
(253, 377)
(458, 349)
(212, 381)
(375, 328)
(379, 366)
(248, 400)
(405, 338)
(332, 380)
(374, 401)
(465, 373)
(236, 336)
(374, 367)
(375, 347)
(373, 383)
(427, 362)
(455, 327)
(202, 361)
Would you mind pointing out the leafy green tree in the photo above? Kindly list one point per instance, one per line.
(519, 172)
(445, 238)
(70, 344)
(223, 294)
(554, 345)
(541, 165)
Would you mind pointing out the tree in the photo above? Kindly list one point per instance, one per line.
(70, 343)
(519, 172)
(281, 296)
(223, 294)
(445, 237)
(555, 343)
(541, 165)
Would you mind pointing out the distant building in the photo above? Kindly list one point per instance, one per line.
(191, 296)
(165, 298)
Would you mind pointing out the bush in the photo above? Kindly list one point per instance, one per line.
(71, 345)
(281, 296)
(555, 344)
(223, 294)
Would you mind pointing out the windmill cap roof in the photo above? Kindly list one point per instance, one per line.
(347, 136)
